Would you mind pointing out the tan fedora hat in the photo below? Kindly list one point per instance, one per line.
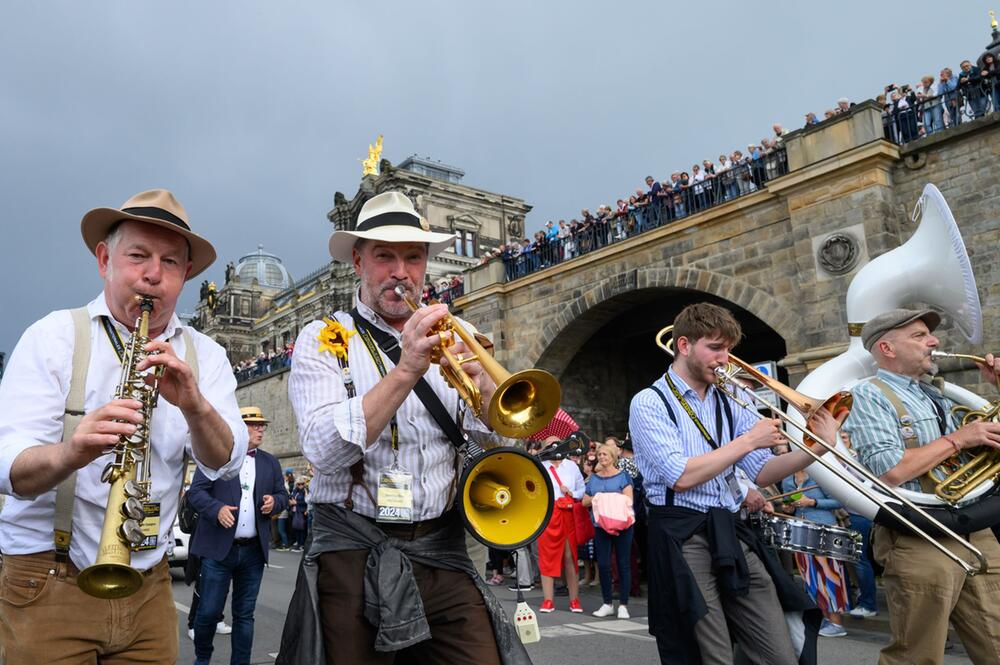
(253, 414)
(389, 217)
(155, 206)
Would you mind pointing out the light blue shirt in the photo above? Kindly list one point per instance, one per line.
(662, 449)
(874, 425)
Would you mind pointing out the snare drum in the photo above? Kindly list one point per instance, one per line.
(799, 535)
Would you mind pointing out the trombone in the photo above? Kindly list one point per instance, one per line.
(524, 402)
(729, 385)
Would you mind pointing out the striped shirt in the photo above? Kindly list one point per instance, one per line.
(874, 425)
(662, 449)
(332, 428)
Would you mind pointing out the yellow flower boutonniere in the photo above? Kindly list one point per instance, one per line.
(333, 338)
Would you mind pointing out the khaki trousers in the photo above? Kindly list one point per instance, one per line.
(925, 589)
(46, 618)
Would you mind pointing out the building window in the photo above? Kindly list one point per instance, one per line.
(465, 244)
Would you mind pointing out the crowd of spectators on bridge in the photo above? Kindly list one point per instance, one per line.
(908, 113)
(445, 290)
(264, 363)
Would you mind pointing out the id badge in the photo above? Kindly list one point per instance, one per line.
(734, 487)
(395, 496)
(150, 527)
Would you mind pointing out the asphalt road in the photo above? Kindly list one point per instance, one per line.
(571, 639)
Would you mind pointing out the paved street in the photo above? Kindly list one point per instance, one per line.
(573, 639)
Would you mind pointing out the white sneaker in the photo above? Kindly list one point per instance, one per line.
(604, 610)
(191, 633)
(223, 628)
(862, 613)
(623, 612)
(830, 629)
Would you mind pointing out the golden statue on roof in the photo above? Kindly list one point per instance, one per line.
(370, 165)
(993, 19)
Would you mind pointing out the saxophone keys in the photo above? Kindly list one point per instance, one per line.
(131, 532)
(132, 489)
(110, 473)
(132, 508)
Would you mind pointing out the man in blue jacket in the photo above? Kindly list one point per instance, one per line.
(233, 537)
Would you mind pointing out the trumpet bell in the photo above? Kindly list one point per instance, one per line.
(109, 581)
(505, 498)
(524, 403)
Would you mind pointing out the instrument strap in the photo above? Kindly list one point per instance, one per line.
(373, 351)
(390, 347)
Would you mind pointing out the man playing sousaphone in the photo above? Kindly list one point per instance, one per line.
(387, 571)
(58, 420)
(902, 427)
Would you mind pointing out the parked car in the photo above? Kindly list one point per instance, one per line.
(177, 549)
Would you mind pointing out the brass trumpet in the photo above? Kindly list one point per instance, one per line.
(728, 383)
(524, 402)
(954, 479)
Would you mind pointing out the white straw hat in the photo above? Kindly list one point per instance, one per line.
(389, 217)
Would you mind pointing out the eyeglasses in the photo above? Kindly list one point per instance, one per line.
(260, 426)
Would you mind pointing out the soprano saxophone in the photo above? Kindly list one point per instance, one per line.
(111, 576)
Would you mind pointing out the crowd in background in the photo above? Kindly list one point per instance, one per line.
(265, 362)
(616, 561)
(908, 113)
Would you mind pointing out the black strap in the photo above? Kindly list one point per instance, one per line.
(390, 347)
(114, 338)
(668, 498)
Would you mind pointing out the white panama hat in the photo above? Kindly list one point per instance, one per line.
(389, 217)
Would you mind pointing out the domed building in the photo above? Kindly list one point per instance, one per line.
(264, 267)
(229, 314)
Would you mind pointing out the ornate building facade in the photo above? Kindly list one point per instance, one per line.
(260, 308)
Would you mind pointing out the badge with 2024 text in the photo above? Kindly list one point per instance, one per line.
(150, 527)
(395, 496)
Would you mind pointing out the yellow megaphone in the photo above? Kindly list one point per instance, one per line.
(505, 498)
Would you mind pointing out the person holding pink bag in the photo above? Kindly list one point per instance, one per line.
(614, 530)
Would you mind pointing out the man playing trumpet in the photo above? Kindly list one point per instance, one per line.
(384, 468)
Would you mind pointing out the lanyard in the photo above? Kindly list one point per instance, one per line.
(114, 338)
(373, 351)
(694, 417)
(730, 477)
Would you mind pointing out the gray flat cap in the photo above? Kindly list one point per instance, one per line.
(896, 318)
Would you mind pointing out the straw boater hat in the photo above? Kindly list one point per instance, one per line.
(253, 414)
(157, 207)
(389, 217)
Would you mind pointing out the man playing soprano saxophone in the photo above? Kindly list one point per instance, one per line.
(145, 248)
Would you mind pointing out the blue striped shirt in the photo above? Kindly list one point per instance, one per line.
(662, 449)
(874, 426)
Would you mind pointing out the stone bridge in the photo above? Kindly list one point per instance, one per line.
(780, 258)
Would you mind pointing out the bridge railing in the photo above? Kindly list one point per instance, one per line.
(672, 204)
(929, 115)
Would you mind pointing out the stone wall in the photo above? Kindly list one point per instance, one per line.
(270, 393)
(760, 254)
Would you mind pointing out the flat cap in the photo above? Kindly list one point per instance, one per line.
(896, 318)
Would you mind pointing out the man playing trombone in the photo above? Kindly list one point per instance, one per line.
(708, 575)
(902, 427)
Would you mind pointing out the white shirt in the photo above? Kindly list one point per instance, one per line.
(246, 521)
(332, 428)
(33, 400)
(569, 474)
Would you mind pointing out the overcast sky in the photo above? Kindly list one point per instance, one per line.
(255, 113)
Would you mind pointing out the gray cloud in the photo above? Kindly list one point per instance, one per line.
(254, 113)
